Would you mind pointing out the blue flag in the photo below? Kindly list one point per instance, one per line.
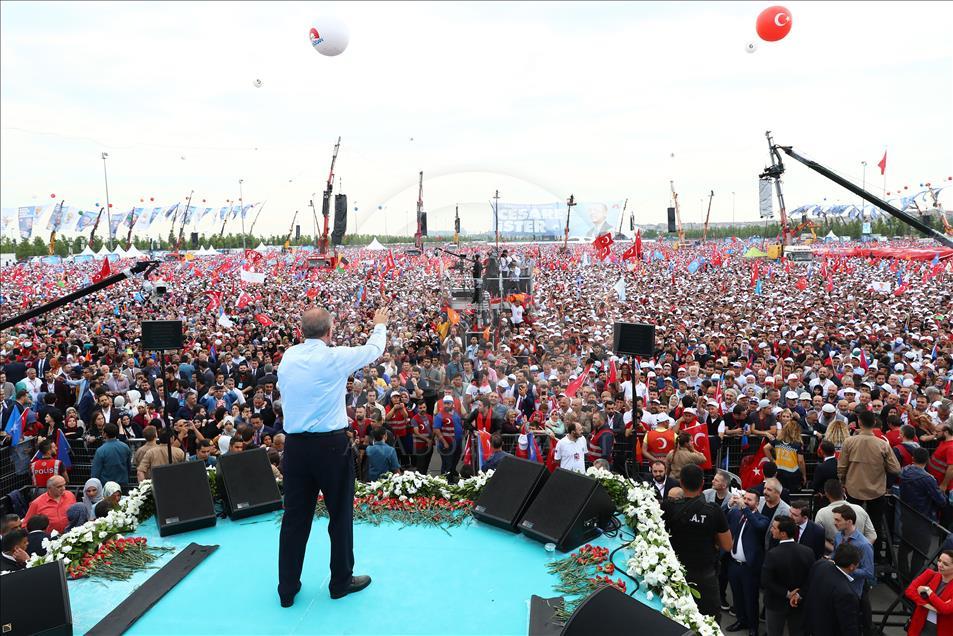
(63, 450)
(13, 427)
(13, 419)
(757, 287)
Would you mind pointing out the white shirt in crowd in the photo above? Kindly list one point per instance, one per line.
(572, 455)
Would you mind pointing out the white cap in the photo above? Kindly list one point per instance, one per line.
(829, 408)
(791, 395)
(762, 404)
(804, 396)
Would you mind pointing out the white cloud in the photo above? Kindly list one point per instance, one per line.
(585, 98)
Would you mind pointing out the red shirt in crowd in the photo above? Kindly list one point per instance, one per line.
(54, 510)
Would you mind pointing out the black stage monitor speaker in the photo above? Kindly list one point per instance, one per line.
(35, 601)
(183, 498)
(632, 338)
(247, 484)
(611, 611)
(340, 219)
(568, 511)
(671, 219)
(161, 335)
(509, 492)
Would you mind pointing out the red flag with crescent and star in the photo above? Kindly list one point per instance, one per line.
(751, 470)
(699, 433)
(603, 243)
(576, 384)
(883, 164)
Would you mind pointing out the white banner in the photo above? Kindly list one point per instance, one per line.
(252, 277)
(880, 286)
(766, 199)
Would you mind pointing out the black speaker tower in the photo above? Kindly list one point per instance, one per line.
(340, 219)
(634, 339)
(161, 335)
(671, 219)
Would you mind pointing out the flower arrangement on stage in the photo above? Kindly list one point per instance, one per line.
(414, 499)
(116, 560)
(73, 546)
(582, 573)
(653, 560)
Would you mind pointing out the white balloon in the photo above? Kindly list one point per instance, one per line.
(258, 83)
(751, 47)
(329, 36)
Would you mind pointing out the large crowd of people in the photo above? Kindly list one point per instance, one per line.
(842, 388)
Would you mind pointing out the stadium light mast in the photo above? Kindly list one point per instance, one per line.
(241, 210)
(105, 156)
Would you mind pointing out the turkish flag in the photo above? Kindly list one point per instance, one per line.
(631, 253)
(264, 320)
(699, 433)
(576, 384)
(883, 164)
(801, 283)
(103, 273)
(602, 244)
(613, 374)
(751, 473)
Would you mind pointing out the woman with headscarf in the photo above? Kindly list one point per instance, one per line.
(92, 495)
(77, 515)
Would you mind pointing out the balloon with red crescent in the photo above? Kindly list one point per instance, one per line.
(774, 23)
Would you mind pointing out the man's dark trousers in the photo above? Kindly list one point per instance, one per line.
(744, 580)
(314, 462)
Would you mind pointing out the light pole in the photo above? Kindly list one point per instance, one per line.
(241, 210)
(732, 209)
(108, 212)
(863, 187)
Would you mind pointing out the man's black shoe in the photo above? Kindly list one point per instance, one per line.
(358, 583)
(737, 626)
(726, 608)
(288, 602)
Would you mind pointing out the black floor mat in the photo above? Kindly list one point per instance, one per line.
(149, 593)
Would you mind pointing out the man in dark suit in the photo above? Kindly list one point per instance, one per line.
(784, 578)
(748, 528)
(826, 466)
(808, 532)
(661, 482)
(831, 608)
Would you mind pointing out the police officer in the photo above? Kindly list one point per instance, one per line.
(697, 529)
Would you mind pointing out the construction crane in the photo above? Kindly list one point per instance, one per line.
(291, 231)
(678, 215)
(777, 169)
(707, 216)
(810, 226)
(456, 226)
(622, 217)
(569, 206)
(421, 219)
(326, 202)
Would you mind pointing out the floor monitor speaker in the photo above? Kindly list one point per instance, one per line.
(610, 611)
(248, 484)
(183, 497)
(509, 492)
(569, 510)
(35, 601)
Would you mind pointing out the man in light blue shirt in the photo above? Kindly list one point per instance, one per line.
(864, 577)
(312, 380)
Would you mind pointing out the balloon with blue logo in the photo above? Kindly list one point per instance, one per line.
(329, 36)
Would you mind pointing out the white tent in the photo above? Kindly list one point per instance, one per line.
(134, 252)
(375, 245)
(121, 253)
(211, 250)
(831, 236)
(262, 248)
(103, 252)
(8, 259)
(87, 252)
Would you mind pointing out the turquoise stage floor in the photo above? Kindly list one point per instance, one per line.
(476, 580)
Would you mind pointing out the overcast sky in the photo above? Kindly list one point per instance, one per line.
(537, 100)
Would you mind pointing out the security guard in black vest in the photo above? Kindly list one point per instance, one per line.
(697, 528)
